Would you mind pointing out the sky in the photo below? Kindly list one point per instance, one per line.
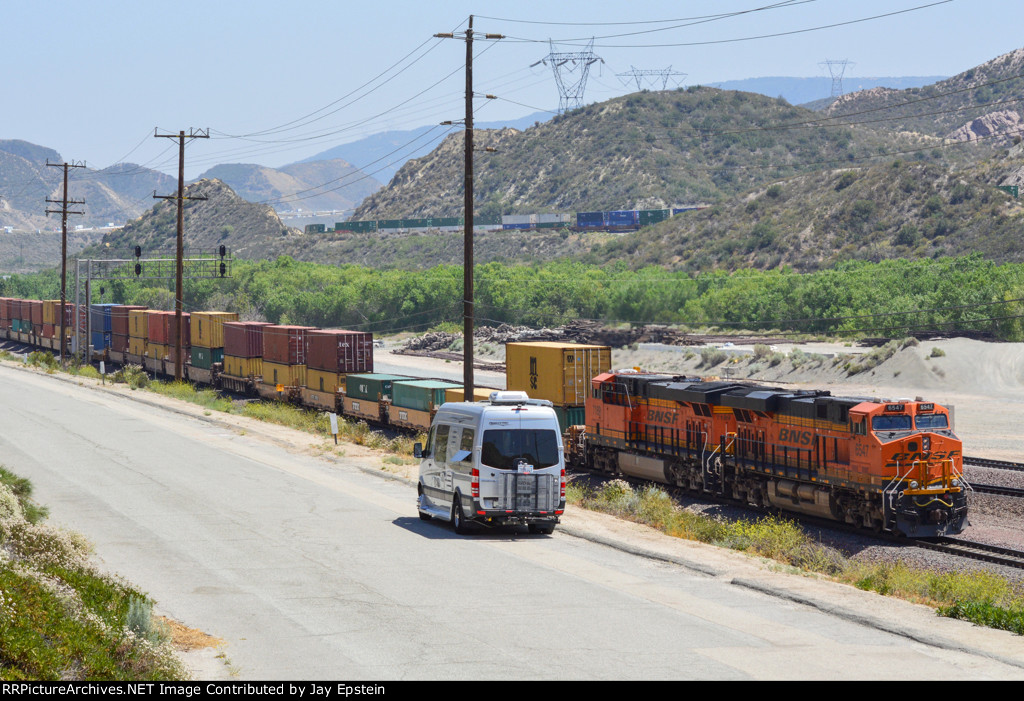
(276, 82)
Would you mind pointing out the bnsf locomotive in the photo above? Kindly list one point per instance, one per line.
(889, 466)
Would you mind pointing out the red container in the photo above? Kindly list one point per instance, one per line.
(119, 342)
(244, 339)
(285, 344)
(47, 330)
(338, 350)
(162, 327)
(36, 309)
(5, 313)
(119, 319)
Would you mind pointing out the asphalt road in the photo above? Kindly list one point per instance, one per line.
(312, 569)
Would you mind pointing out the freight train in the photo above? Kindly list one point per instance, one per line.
(884, 465)
(616, 220)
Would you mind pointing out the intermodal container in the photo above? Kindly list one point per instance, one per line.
(100, 340)
(119, 342)
(590, 220)
(284, 374)
(156, 325)
(138, 323)
(157, 351)
(137, 346)
(99, 317)
(558, 372)
(646, 217)
(205, 357)
(237, 366)
(35, 311)
(456, 394)
(422, 395)
(338, 350)
(285, 344)
(570, 416)
(324, 380)
(50, 311)
(622, 217)
(47, 330)
(119, 318)
(244, 339)
(371, 386)
(208, 328)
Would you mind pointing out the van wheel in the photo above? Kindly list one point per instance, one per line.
(542, 529)
(458, 520)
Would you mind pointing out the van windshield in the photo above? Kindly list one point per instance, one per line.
(503, 449)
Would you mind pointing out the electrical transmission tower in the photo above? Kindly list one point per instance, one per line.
(651, 74)
(836, 68)
(571, 70)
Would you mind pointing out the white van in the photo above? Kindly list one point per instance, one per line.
(494, 462)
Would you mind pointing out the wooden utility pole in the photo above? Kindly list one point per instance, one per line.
(467, 263)
(64, 212)
(180, 197)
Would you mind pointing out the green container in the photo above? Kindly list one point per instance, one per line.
(421, 395)
(653, 216)
(570, 416)
(205, 357)
(370, 386)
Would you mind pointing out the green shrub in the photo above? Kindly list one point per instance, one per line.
(937, 352)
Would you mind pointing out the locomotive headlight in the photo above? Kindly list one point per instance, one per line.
(955, 483)
(913, 484)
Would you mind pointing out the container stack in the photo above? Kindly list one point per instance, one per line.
(284, 356)
(243, 349)
(35, 316)
(557, 372)
(138, 333)
(101, 323)
(5, 313)
(331, 355)
(367, 394)
(119, 326)
(207, 337)
(414, 402)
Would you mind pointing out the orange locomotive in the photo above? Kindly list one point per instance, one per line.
(893, 466)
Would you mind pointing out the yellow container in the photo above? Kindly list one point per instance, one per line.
(138, 323)
(50, 313)
(157, 351)
(324, 381)
(208, 328)
(558, 372)
(137, 346)
(281, 374)
(242, 367)
(480, 394)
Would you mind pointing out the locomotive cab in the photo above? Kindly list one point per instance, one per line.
(923, 490)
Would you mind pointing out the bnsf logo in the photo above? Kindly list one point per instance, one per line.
(790, 435)
(661, 417)
(911, 457)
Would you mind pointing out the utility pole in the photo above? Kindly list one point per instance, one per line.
(64, 212)
(180, 197)
(467, 263)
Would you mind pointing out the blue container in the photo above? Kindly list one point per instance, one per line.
(99, 317)
(590, 219)
(680, 210)
(623, 217)
(100, 340)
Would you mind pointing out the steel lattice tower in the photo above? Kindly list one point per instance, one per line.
(836, 68)
(638, 75)
(571, 70)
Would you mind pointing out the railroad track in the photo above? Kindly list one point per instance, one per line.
(995, 464)
(975, 551)
(998, 491)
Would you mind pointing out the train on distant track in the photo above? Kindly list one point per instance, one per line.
(615, 220)
(892, 465)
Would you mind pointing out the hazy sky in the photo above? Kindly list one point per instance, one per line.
(93, 78)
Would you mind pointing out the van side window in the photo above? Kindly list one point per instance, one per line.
(430, 440)
(441, 444)
(467, 443)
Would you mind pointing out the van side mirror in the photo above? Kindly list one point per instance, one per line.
(417, 450)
